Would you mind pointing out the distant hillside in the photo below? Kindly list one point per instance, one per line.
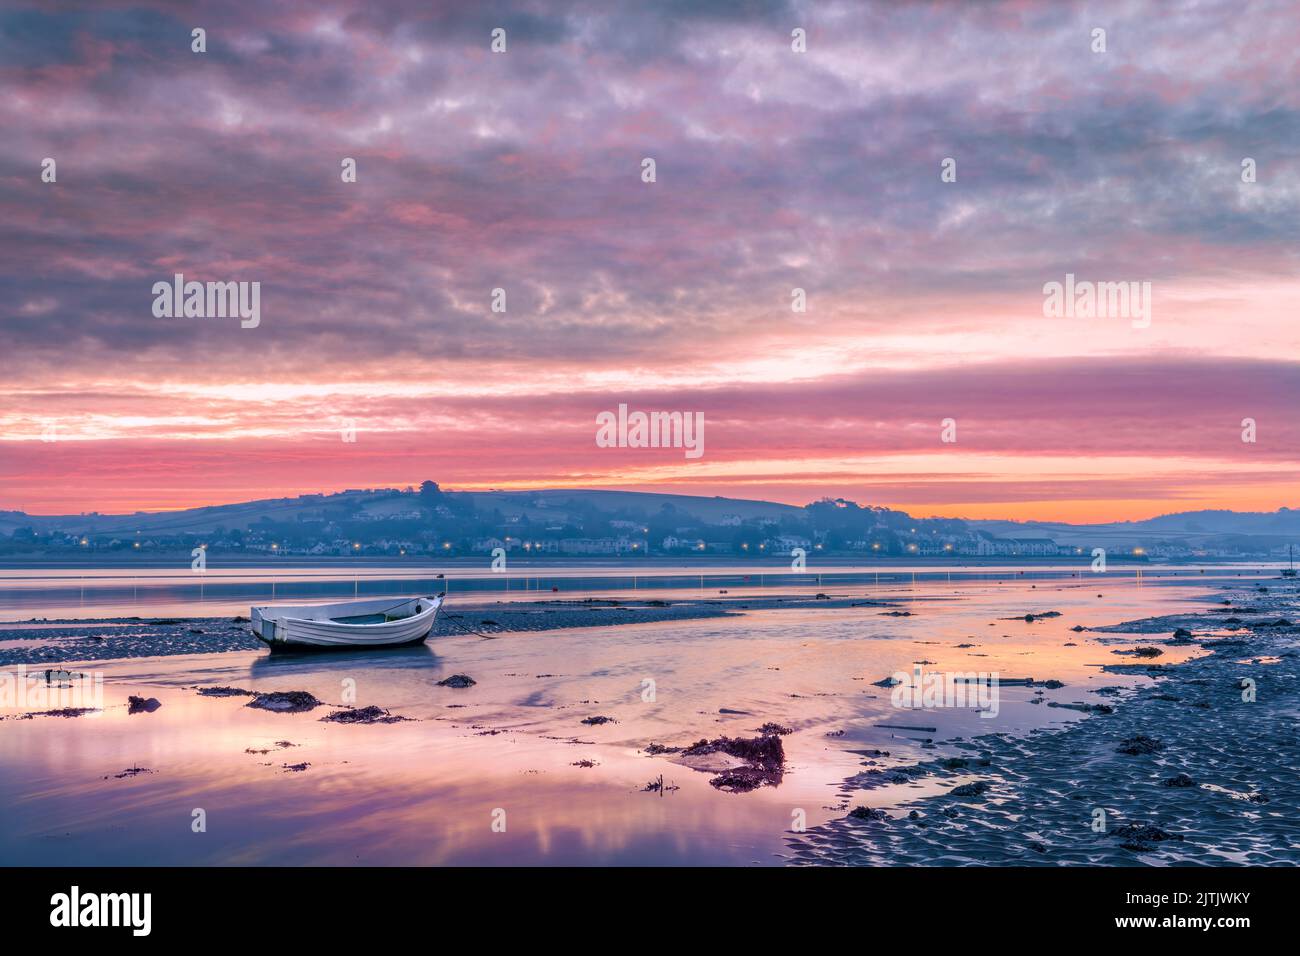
(196, 520)
(1190, 528)
(1284, 521)
(415, 519)
(541, 506)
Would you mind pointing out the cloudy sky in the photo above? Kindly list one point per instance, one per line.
(775, 170)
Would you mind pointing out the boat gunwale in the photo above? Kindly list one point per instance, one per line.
(289, 612)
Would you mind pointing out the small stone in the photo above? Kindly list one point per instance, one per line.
(866, 813)
(458, 680)
(1140, 744)
(286, 702)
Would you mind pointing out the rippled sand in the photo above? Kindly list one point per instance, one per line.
(1237, 800)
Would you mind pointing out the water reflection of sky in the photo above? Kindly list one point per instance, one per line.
(178, 591)
(425, 791)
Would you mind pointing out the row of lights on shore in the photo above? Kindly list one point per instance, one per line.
(528, 545)
(356, 546)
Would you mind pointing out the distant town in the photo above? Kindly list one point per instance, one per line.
(427, 521)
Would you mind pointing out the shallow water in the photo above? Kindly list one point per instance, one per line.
(429, 790)
(176, 590)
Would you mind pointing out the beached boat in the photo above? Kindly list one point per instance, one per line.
(381, 622)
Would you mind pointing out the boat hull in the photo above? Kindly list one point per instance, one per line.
(304, 647)
(317, 627)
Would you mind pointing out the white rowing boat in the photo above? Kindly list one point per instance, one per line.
(381, 622)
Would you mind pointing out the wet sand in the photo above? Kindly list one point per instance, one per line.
(1184, 771)
(52, 641)
(529, 737)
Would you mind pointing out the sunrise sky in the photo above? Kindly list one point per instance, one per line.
(775, 170)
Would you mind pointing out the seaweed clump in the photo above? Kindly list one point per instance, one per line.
(764, 761)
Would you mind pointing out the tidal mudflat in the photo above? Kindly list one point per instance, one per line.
(1199, 766)
(740, 728)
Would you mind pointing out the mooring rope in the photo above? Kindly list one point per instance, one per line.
(469, 630)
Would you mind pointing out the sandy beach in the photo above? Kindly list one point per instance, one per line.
(738, 728)
(1188, 768)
